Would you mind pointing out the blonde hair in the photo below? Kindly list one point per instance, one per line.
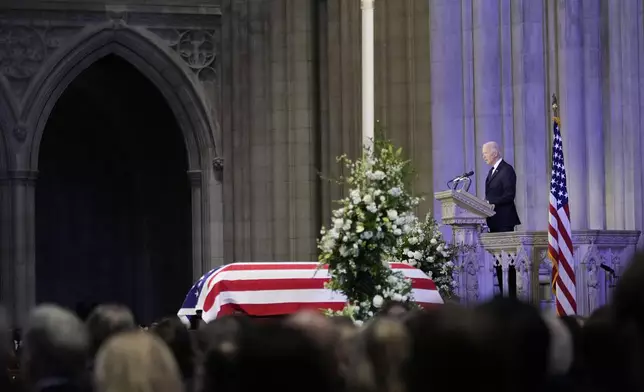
(136, 361)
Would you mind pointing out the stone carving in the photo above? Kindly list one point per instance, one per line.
(472, 281)
(593, 284)
(197, 48)
(23, 50)
(593, 246)
(218, 167)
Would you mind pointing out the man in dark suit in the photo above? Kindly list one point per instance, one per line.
(500, 188)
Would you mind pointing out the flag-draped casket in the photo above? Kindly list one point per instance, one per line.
(271, 289)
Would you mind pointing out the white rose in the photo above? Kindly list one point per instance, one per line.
(410, 254)
(397, 232)
(413, 241)
(338, 223)
(417, 255)
(397, 297)
(433, 241)
(395, 192)
(378, 301)
(392, 215)
(367, 199)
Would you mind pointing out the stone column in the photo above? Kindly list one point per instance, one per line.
(571, 85)
(630, 23)
(615, 195)
(531, 122)
(19, 244)
(593, 113)
(196, 182)
(446, 93)
(487, 80)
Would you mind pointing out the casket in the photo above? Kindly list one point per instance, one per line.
(274, 289)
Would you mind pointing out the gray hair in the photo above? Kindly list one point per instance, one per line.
(493, 147)
(56, 344)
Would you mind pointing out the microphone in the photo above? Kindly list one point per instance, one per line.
(464, 176)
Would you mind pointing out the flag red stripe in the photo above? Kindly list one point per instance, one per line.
(563, 262)
(263, 310)
(293, 284)
(566, 292)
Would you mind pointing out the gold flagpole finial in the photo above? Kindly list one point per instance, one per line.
(555, 106)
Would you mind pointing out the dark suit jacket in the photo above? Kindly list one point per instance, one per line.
(500, 189)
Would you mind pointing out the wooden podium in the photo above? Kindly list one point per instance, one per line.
(466, 214)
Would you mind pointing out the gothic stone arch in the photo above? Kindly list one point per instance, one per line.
(179, 82)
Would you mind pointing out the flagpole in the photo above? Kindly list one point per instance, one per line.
(368, 102)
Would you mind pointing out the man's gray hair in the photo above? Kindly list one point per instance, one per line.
(493, 146)
(56, 344)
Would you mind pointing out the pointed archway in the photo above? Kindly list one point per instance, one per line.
(181, 91)
(112, 196)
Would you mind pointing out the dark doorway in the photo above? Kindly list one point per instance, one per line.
(113, 214)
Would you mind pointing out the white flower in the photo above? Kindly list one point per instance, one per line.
(392, 215)
(338, 223)
(378, 301)
(397, 297)
(372, 208)
(366, 235)
(397, 232)
(418, 255)
(395, 192)
(410, 254)
(413, 240)
(367, 199)
(433, 241)
(378, 175)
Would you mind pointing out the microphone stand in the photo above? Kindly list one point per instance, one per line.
(466, 182)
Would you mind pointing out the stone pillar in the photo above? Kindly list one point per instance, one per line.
(630, 23)
(571, 85)
(531, 122)
(446, 93)
(19, 244)
(615, 196)
(593, 113)
(487, 80)
(196, 182)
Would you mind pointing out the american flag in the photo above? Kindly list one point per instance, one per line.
(271, 289)
(560, 249)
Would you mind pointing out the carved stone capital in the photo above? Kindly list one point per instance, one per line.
(218, 168)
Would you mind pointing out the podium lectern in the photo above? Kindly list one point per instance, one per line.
(466, 214)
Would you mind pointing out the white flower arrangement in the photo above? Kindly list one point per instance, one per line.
(424, 247)
(366, 230)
